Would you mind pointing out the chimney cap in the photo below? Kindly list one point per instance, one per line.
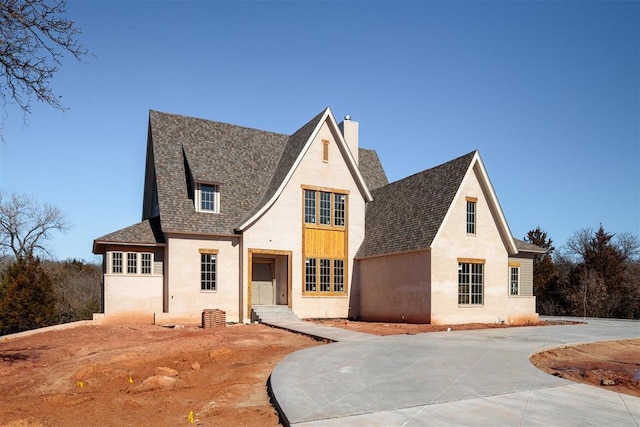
(347, 117)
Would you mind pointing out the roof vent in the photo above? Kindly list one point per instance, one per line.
(347, 117)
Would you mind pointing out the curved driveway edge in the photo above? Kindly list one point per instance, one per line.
(479, 377)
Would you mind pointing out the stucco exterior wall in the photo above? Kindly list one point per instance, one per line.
(452, 243)
(394, 288)
(132, 294)
(280, 228)
(185, 299)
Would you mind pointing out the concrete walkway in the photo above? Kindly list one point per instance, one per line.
(480, 377)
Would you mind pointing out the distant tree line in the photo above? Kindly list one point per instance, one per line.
(595, 274)
(35, 293)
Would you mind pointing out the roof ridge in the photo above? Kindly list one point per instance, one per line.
(202, 119)
(432, 169)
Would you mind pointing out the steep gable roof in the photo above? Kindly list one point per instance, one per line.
(295, 150)
(371, 169)
(250, 166)
(406, 214)
(186, 149)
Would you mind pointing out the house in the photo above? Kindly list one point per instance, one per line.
(234, 218)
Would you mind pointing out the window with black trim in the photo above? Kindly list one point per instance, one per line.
(471, 215)
(208, 271)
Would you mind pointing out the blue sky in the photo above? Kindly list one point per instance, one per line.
(548, 91)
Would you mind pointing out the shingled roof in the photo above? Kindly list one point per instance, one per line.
(239, 159)
(406, 215)
(248, 164)
(147, 233)
(371, 169)
(528, 247)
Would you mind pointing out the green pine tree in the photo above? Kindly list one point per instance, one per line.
(28, 300)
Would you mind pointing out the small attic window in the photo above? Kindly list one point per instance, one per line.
(207, 198)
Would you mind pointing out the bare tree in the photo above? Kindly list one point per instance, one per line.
(34, 37)
(25, 225)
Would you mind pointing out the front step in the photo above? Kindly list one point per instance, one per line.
(273, 314)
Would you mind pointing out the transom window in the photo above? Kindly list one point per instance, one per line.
(329, 276)
(471, 215)
(470, 283)
(136, 262)
(324, 208)
(208, 271)
(514, 281)
(208, 198)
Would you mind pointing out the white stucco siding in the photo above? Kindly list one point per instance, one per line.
(184, 295)
(280, 228)
(132, 294)
(453, 243)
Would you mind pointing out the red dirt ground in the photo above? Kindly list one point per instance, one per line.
(144, 375)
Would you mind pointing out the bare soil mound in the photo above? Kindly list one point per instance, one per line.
(142, 375)
(613, 365)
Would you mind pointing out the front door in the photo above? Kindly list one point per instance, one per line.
(262, 282)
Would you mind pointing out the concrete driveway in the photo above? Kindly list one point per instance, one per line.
(479, 377)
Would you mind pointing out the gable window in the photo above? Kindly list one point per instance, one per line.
(207, 198)
(208, 270)
(325, 208)
(338, 209)
(514, 280)
(470, 282)
(471, 214)
(309, 206)
(136, 262)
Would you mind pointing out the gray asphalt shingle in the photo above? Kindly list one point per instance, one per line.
(406, 214)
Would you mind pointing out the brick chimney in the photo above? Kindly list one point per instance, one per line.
(349, 130)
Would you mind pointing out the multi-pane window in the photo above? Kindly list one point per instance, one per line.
(338, 275)
(310, 275)
(338, 209)
(208, 272)
(132, 263)
(309, 206)
(116, 262)
(208, 198)
(324, 208)
(328, 273)
(146, 263)
(471, 215)
(325, 275)
(470, 283)
(136, 262)
(514, 280)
